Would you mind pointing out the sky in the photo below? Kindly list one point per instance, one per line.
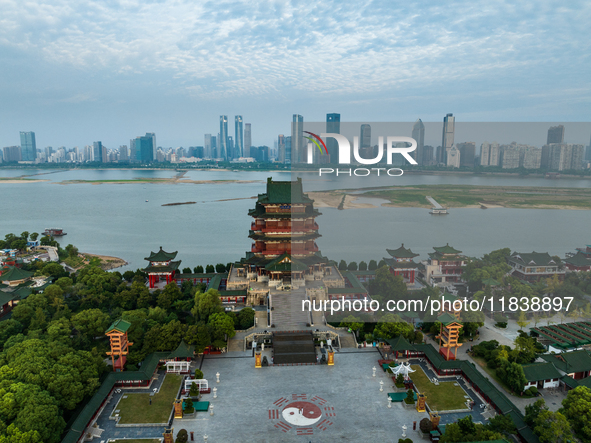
(80, 71)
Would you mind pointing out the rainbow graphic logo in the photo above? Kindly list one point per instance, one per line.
(315, 139)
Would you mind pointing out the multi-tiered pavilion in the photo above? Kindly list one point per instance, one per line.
(402, 263)
(161, 266)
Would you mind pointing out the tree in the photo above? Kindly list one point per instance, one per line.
(352, 323)
(382, 263)
(54, 270)
(169, 295)
(25, 236)
(387, 285)
(91, 323)
(362, 266)
(352, 266)
(198, 269)
(472, 320)
(342, 265)
(19, 244)
(34, 236)
(186, 270)
(221, 325)
(503, 424)
(72, 251)
(512, 375)
(220, 268)
(8, 328)
(246, 318)
(209, 269)
(576, 407)
(373, 265)
(194, 391)
(425, 425)
(206, 304)
(198, 335)
(183, 436)
(552, 427)
(522, 320)
(390, 326)
(198, 374)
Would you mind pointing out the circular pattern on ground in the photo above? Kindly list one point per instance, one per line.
(302, 414)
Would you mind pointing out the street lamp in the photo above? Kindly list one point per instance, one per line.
(205, 437)
(215, 392)
(217, 377)
(381, 385)
(374, 371)
(389, 402)
(210, 409)
(404, 430)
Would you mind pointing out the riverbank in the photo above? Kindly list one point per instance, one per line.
(107, 262)
(459, 196)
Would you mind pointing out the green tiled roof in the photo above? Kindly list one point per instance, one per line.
(400, 264)
(355, 288)
(579, 259)
(447, 249)
(532, 258)
(446, 319)
(491, 282)
(161, 255)
(285, 263)
(569, 362)
(284, 192)
(14, 274)
(400, 344)
(236, 293)
(172, 266)
(119, 325)
(401, 252)
(540, 371)
(183, 351)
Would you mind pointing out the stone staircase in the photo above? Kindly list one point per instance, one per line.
(287, 314)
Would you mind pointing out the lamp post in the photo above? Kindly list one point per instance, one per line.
(210, 409)
(374, 371)
(217, 377)
(215, 392)
(404, 430)
(389, 402)
(381, 385)
(205, 438)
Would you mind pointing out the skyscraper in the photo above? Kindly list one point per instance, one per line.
(207, 146)
(154, 146)
(467, 153)
(247, 139)
(418, 133)
(281, 148)
(555, 134)
(144, 148)
(365, 136)
(288, 150)
(97, 152)
(447, 139)
(223, 138)
(28, 146)
(11, 153)
(333, 125)
(123, 153)
(298, 151)
(238, 137)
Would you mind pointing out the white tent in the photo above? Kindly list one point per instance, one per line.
(403, 369)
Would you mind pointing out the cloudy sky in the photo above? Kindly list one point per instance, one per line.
(79, 71)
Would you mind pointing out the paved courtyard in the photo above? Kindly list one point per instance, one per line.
(316, 403)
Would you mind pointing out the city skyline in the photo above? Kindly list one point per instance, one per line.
(124, 71)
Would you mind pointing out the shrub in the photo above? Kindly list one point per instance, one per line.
(182, 436)
(426, 426)
(399, 379)
(198, 374)
(532, 390)
(194, 391)
(410, 397)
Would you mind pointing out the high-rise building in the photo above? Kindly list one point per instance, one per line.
(555, 134)
(28, 146)
(562, 156)
(238, 137)
(97, 151)
(454, 157)
(447, 139)
(365, 136)
(418, 133)
(104, 155)
(123, 153)
(144, 148)
(288, 149)
(428, 155)
(207, 146)
(154, 145)
(223, 138)
(484, 154)
(231, 151)
(11, 154)
(333, 126)
(509, 157)
(247, 139)
(467, 154)
(281, 148)
(214, 146)
(298, 150)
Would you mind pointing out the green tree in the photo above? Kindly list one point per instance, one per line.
(54, 270)
(8, 328)
(362, 266)
(169, 295)
(390, 326)
(91, 323)
(209, 269)
(522, 320)
(387, 285)
(198, 269)
(198, 335)
(373, 265)
(352, 266)
(246, 318)
(186, 270)
(183, 436)
(206, 304)
(576, 407)
(342, 265)
(552, 427)
(220, 268)
(72, 251)
(25, 236)
(34, 236)
(221, 325)
(503, 424)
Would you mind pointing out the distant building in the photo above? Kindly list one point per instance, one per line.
(562, 157)
(453, 157)
(402, 264)
(281, 148)
(418, 133)
(11, 154)
(534, 266)
(578, 262)
(333, 125)
(532, 158)
(154, 145)
(238, 137)
(247, 138)
(207, 147)
(467, 154)
(447, 138)
(555, 134)
(444, 266)
(28, 146)
(223, 138)
(144, 148)
(510, 158)
(97, 151)
(427, 155)
(288, 149)
(298, 151)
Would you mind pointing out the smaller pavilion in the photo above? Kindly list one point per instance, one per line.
(13, 276)
(161, 266)
(117, 334)
(401, 347)
(449, 335)
(179, 361)
(402, 263)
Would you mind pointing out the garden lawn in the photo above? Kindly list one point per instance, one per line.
(136, 408)
(445, 397)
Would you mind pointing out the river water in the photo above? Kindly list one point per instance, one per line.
(129, 221)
